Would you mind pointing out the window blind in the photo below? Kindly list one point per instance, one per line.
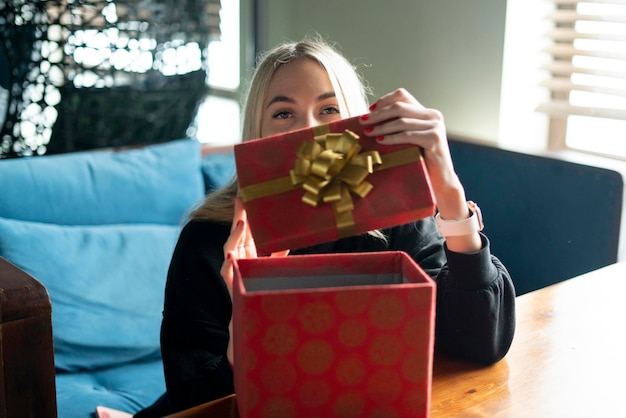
(587, 69)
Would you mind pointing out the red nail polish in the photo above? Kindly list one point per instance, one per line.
(239, 223)
(228, 255)
(380, 138)
(368, 129)
(365, 117)
(373, 107)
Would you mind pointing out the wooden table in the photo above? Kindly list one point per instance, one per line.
(568, 359)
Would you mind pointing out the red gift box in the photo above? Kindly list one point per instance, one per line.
(337, 335)
(323, 183)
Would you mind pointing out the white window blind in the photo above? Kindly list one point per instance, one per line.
(587, 75)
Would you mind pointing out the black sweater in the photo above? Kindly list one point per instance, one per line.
(475, 310)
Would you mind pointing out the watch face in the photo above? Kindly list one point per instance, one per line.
(479, 215)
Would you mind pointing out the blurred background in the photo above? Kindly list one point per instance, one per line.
(523, 74)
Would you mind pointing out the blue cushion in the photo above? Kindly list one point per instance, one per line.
(218, 169)
(106, 285)
(128, 388)
(153, 184)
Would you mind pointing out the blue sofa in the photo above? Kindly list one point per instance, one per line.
(548, 217)
(97, 230)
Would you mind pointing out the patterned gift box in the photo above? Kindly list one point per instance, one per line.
(337, 335)
(323, 183)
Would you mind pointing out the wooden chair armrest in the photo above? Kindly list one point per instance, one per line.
(27, 375)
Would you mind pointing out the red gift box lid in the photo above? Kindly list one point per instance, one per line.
(275, 191)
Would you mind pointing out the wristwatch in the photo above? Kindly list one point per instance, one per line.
(463, 227)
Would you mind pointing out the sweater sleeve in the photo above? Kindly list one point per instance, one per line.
(475, 309)
(194, 331)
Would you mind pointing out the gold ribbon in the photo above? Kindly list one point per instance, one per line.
(330, 169)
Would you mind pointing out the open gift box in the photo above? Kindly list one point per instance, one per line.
(327, 182)
(337, 335)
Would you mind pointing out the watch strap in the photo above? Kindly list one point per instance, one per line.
(452, 228)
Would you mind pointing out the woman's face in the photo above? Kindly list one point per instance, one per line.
(299, 95)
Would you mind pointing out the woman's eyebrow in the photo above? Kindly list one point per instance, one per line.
(281, 99)
(287, 99)
(327, 95)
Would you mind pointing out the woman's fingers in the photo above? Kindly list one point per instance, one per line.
(240, 240)
(227, 271)
(247, 245)
(235, 238)
(398, 118)
(239, 244)
(234, 246)
(397, 104)
(398, 95)
(240, 212)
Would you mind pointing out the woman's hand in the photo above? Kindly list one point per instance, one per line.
(240, 244)
(402, 119)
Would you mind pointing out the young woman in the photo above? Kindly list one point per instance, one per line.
(303, 84)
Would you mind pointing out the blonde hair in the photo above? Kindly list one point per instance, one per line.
(350, 91)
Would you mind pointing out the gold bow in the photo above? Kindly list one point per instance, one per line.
(330, 168)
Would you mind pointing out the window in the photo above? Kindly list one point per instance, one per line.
(572, 56)
(587, 76)
(218, 119)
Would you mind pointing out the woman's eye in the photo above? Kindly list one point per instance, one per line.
(330, 110)
(281, 115)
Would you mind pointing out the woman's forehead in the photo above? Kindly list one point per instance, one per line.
(301, 75)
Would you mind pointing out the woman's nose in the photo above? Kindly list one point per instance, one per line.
(311, 120)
